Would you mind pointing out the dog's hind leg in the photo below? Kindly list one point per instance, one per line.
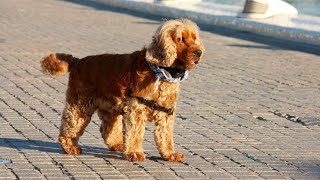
(74, 120)
(111, 130)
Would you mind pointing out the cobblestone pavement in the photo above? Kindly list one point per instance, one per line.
(250, 111)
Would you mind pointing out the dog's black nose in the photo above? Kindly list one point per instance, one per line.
(197, 53)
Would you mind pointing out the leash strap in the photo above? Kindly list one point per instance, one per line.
(152, 104)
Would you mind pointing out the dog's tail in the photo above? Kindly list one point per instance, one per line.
(58, 64)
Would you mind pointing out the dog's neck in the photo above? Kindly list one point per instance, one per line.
(168, 74)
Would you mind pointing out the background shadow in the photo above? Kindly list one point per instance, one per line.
(244, 35)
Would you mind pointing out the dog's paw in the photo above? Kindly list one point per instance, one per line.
(72, 150)
(118, 147)
(175, 157)
(135, 156)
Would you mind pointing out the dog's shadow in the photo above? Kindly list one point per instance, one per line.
(54, 147)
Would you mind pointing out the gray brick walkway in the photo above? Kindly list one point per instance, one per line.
(250, 111)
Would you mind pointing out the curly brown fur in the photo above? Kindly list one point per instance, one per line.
(102, 83)
(57, 63)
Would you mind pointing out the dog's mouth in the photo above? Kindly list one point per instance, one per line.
(180, 64)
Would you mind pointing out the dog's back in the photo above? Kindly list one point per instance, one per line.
(105, 73)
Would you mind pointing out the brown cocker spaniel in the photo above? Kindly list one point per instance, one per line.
(127, 90)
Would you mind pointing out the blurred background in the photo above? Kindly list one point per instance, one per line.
(307, 7)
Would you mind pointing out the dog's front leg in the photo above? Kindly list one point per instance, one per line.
(163, 134)
(133, 131)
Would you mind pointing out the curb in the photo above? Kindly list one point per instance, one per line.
(272, 30)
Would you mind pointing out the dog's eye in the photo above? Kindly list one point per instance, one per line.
(180, 39)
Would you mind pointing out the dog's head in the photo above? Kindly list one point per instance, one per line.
(176, 44)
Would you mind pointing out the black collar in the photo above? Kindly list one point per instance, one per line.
(175, 72)
(172, 75)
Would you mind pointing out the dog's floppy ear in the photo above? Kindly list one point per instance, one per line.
(162, 51)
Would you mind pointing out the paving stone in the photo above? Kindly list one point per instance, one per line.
(219, 175)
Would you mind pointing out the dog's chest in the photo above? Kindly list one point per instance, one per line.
(166, 90)
(165, 94)
(164, 97)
